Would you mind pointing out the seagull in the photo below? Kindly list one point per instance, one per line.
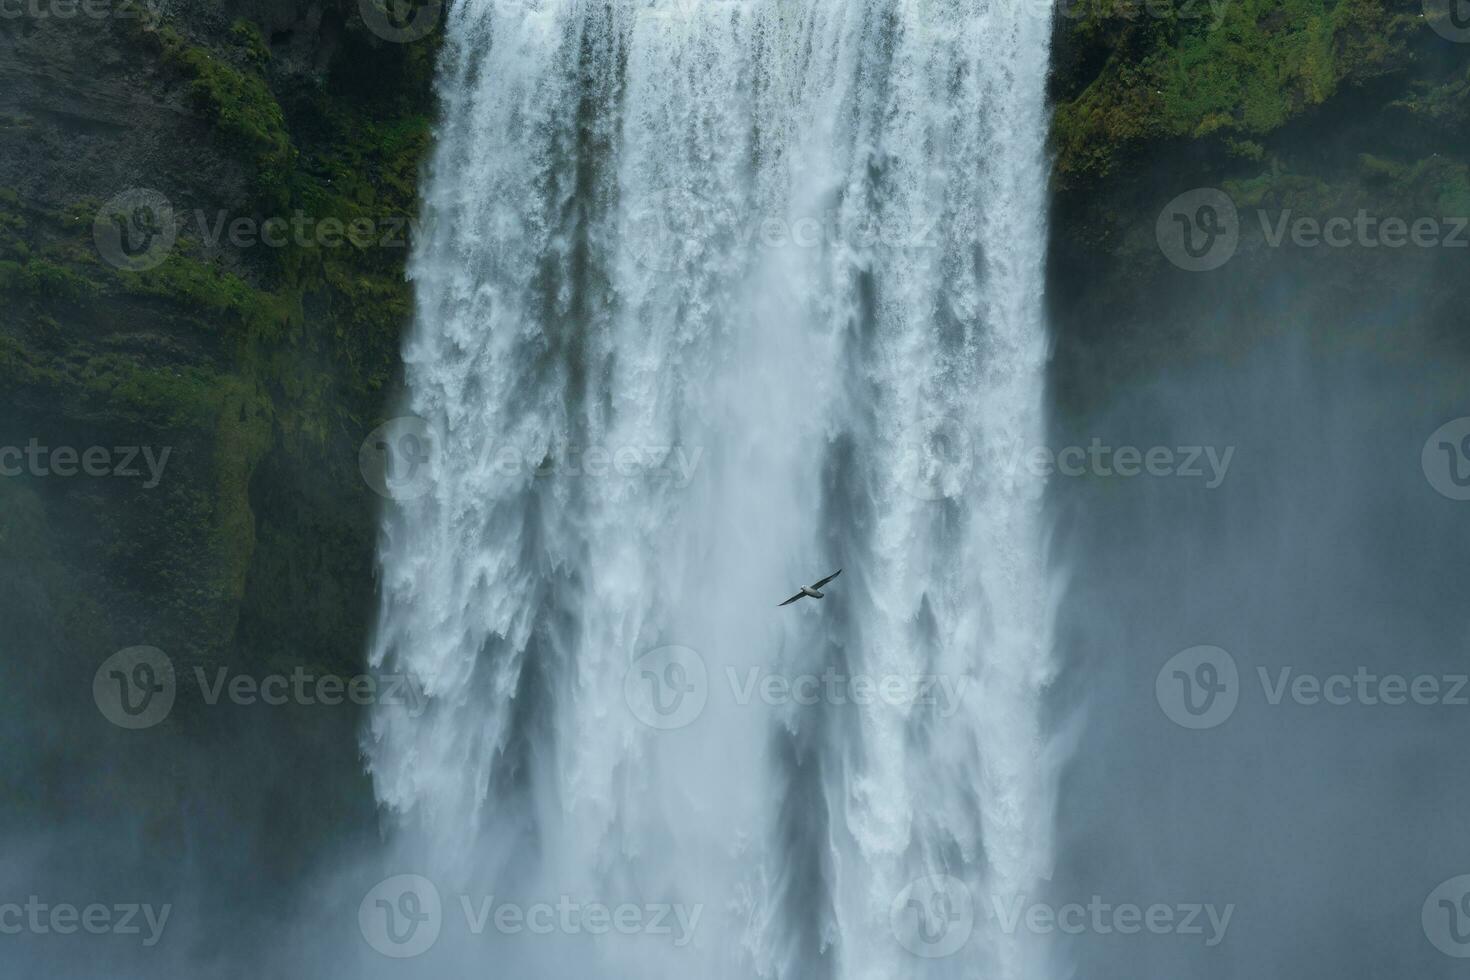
(812, 590)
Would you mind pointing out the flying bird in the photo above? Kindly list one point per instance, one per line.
(812, 590)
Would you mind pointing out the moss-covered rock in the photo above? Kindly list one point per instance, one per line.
(1236, 71)
(258, 368)
(1309, 111)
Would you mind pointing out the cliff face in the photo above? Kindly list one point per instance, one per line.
(1327, 143)
(204, 221)
(205, 215)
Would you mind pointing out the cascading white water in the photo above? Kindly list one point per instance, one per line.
(781, 262)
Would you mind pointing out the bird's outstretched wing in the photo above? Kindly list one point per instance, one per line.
(827, 579)
(799, 595)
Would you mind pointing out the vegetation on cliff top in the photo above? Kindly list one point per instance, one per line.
(1234, 69)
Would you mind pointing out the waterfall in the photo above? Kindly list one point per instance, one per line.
(714, 298)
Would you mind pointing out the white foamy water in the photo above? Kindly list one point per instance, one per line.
(720, 296)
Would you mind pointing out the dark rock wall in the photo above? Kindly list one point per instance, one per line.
(1293, 110)
(259, 368)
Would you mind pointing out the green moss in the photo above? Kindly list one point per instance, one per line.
(1444, 104)
(242, 437)
(33, 578)
(13, 228)
(1246, 150)
(42, 277)
(246, 33)
(178, 397)
(1263, 63)
(239, 103)
(1378, 170)
(219, 298)
(1437, 188)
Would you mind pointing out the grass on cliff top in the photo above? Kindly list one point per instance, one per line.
(1240, 70)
